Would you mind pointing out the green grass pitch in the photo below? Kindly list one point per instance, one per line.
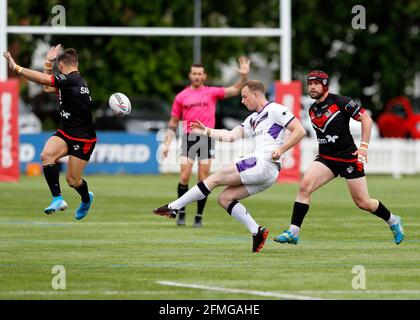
(121, 250)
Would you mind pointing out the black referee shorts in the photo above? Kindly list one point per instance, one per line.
(197, 146)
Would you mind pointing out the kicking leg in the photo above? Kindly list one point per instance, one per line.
(227, 176)
(186, 170)
(203, 173)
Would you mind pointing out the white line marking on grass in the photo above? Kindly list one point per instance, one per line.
(360, 291)
(225, 290)
(42, 293)
(85, 292)
(240, 291)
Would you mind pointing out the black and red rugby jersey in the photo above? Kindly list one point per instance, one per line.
(330, 120)
(75, 106)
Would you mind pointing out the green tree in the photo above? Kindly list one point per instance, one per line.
(384, 56)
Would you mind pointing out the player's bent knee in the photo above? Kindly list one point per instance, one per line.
(72, 181)
(305, 188)
(46, 157)
(224, 200)
(184, 178)
(363, 204)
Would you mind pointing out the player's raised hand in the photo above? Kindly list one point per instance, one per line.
(11, 62)
(53, 53)
(244, 64)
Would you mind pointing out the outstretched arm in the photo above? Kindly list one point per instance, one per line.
(218, 134)
(29, 74)
(297, 133)
(243, 71)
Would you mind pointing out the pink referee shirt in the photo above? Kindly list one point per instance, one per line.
(191, 104)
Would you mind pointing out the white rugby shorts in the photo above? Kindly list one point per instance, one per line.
(257, 173)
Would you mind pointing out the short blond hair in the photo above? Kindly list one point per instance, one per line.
(255, 85)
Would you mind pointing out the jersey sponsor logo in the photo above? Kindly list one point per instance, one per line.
(84, 90)
(196, 105)
(257, 133)
(331, 138)
(65, 114)
(352, 107)
(321, 120)
(328, 139)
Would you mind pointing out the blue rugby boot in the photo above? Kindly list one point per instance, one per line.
(286, 237)
(398, 231)
(83, 209)
(57, 204)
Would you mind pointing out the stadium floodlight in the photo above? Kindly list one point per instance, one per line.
(284, 32)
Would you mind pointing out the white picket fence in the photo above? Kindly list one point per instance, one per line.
(386, 156)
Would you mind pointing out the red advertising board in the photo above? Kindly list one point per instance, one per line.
(289, 95)
(9, 135)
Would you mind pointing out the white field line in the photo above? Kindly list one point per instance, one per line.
(261, 293)
(83, 292)
(360, 291)
(240, 291)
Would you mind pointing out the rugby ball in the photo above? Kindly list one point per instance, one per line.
(119, 104)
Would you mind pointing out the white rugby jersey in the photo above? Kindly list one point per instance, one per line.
(267, 128)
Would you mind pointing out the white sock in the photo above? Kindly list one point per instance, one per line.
(294, 230)
(392, 220)
(240, 213)
(194, 194)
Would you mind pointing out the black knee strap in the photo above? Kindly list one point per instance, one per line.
(231, 205)
(203, 188)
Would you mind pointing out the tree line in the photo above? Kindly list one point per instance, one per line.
(372, 64)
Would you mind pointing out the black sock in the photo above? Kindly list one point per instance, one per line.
(200, 206)
(299, 212)
(382, 212)
(182, 189)
(83, 191)
(52, 175)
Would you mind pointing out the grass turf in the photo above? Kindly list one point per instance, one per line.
(122, 251)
